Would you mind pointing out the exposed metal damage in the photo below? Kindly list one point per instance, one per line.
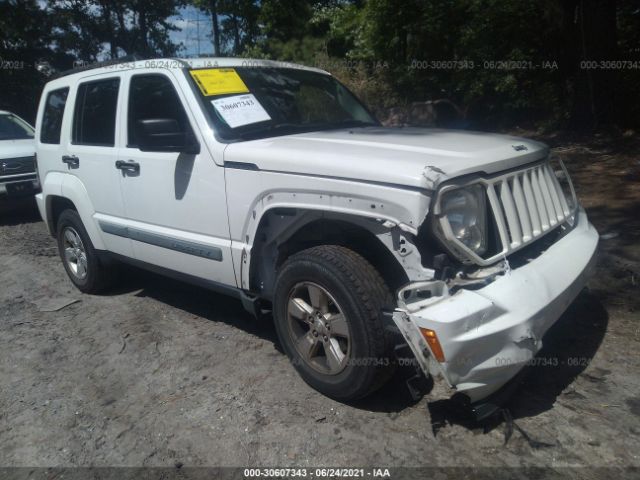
(433, 176)
(490, 323)
(278, 227)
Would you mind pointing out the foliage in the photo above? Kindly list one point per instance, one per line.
(503, 62)
(115, 27)
(24, 44)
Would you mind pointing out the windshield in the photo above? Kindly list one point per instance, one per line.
(256, 102)
(14, 128)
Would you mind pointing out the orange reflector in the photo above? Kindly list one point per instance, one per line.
(432, 340)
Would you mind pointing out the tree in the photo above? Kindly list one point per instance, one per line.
(234, 24)
(128, 27)
(284, 20)
(212, 8)
(240, 23)
(24, 49)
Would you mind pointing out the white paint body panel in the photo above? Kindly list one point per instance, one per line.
(392, 156)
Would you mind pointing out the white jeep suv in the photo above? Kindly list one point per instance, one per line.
(273, 183)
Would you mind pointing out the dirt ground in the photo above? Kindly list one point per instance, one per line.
(158, 373)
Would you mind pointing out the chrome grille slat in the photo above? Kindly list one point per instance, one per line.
(539, 201)
(526, 204)
(497, 213)
(546, 195)
(534, 215)
(521, 207)
(554, 194)
(16, 166)
(510, 212)
(564, 208)
(563, 200)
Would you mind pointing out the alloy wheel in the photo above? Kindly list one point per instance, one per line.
(75, 254)
(318, 328)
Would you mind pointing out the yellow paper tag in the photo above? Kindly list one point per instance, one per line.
(218, 81)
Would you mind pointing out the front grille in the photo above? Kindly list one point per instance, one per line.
(16, 166)
(523, 206)
(526, 205)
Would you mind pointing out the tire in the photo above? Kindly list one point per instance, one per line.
(353, 366)
(83, 265)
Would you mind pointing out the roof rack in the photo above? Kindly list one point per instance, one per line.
(105, 63)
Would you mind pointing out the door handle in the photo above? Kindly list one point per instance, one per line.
(71, 160)
(129, 166)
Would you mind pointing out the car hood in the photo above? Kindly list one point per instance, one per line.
(414, 157)
(17, 148)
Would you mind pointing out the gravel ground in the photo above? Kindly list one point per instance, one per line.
(158, 373)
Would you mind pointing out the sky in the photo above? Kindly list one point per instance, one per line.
(192, 37)
(194, 40)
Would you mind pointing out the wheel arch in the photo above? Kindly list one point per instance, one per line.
(73, 195)
(284, 231)
(56, 204)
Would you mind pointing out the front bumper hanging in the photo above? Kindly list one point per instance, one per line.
(488, 335)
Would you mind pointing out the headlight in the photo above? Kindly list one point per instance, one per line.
(466, 213)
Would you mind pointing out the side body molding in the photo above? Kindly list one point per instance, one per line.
(164, 241)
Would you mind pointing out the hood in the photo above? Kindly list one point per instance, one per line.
(414, 157)
(17, 148)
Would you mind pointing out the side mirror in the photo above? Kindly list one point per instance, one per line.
(164, 135)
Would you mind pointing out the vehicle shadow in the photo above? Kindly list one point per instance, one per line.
(394, 396)
(569, 346)
(192, 299)
(19, 210)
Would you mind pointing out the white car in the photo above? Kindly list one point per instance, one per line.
(273, 183)
(17, 150)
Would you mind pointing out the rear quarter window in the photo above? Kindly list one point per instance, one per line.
(52, 116)
(94, 118)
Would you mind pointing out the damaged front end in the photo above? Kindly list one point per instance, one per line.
(482, 318)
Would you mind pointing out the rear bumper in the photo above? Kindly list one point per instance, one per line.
(488, 335)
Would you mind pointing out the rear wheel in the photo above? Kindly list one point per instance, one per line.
(85, 269)
(327, 309)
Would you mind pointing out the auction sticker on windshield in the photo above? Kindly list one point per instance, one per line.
(240, 110)
(218, 81)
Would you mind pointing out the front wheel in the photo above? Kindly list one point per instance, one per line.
(327, 309)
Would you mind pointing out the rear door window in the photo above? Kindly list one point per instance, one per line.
(52, 116)
(94, 119)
